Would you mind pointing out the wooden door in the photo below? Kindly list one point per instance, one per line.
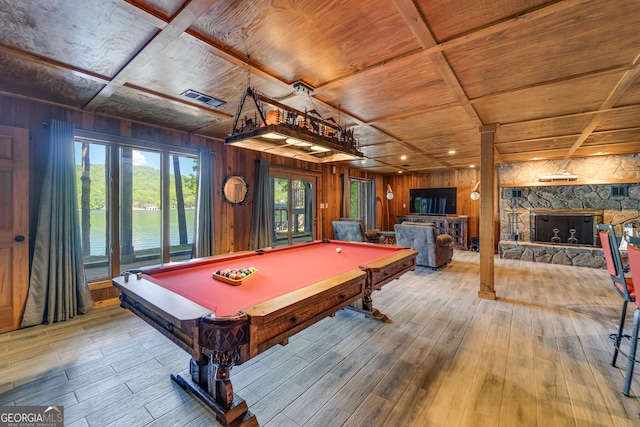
(14, 225)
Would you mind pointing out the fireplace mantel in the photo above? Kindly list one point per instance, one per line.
(577, 212)
(579, 181)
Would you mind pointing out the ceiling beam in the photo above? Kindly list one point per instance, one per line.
(415, 16)
(416, 22)
(567, 116)
(552, 8)
(616, 93)
(89, 75)
(61, 66)
(211, 47)
(183, 20)
(142, 11)
(600, 72)
(572, 135)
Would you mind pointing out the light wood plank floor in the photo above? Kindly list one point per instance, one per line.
(539, 356)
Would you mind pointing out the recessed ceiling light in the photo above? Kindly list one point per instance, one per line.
(537, 158)
(452, 151)
(472, 166)
(399, 171)
(403, 157)
(363, 161)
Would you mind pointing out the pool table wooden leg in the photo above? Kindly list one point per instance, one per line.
(366, 306)
(221, 343)
(236, 415)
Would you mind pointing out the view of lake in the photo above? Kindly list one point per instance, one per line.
(146, 229)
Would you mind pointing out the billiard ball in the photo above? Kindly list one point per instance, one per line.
(338, 250)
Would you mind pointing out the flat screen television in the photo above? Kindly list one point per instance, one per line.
(432, 201)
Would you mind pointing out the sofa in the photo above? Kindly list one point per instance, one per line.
(434, 250)
(353, 230)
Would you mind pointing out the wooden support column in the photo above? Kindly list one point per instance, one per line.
(487, 210)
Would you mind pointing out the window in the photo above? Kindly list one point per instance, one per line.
(363, 201)
(512, 193)
(183, 186)
(137, 206)
(619, 190)
(92, 177)
(140, 209)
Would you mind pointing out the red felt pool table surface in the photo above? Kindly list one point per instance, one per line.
(280, 271)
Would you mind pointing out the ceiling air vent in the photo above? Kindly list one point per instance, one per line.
(206, 99)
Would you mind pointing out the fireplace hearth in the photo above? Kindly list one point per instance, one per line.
(565, 227)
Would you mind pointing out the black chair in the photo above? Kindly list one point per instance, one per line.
(622, 285)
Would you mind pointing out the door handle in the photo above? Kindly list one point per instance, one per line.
(19, 238)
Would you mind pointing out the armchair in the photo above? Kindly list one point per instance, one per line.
(433, 250)
(354, 230)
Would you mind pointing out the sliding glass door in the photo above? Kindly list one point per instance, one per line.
(293, 209)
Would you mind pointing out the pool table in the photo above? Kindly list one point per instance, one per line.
(222, 325)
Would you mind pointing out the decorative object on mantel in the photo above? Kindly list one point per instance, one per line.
(284, 131)
(561, 176)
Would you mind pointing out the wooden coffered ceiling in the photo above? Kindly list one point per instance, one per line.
(415, 78)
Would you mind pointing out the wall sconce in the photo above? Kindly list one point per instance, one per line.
(389, 192)
(475, 194)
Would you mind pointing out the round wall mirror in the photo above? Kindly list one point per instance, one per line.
(235, 189)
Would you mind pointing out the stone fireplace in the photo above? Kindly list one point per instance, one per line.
(529, 213)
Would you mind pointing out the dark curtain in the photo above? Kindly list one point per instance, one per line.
(261, 221)
(345, 208)
(58, 286)
(308, 208)
(373, 212)
(203, 237)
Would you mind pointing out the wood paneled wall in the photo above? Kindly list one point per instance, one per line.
(232, 223)
(464, 180)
